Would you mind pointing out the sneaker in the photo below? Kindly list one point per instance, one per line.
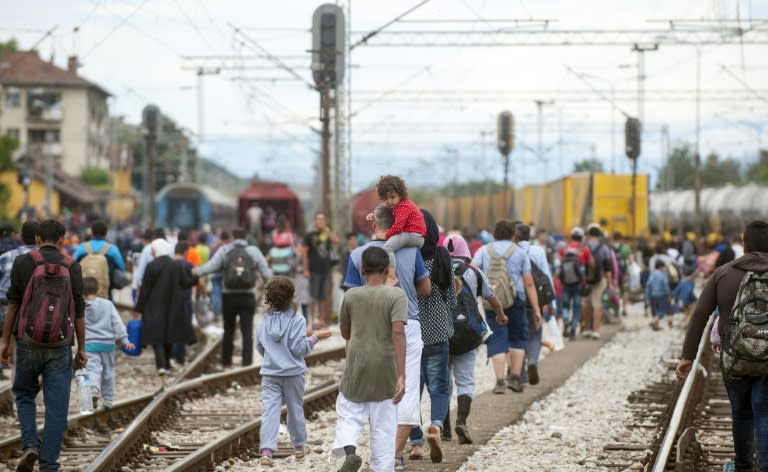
(162, 372)
(500, 387)
(596, 335)
(416, 453)
(28, 459)
(446, 435)
(107, 405)
(353, 462)
(435, 444)
(533, 374)
(515, 385)
(399, 464)
(586, 333)
(463, 433)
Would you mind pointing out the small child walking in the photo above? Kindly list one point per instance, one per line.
(408, 228)
(282, 342)
(372, 319)
(658, 295)
(102, 326)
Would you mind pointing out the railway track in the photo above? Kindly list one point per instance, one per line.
(691, 421)
(183, 419)
(698, 433)
(108, 422)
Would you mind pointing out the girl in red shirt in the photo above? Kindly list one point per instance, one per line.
(408, 228)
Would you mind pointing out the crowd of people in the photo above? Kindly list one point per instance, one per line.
(410, 313)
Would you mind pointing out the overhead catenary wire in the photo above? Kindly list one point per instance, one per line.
(254, 44)
(384, 94)
(744, 84)
(597, 91)
(122, 22)
(373, 33)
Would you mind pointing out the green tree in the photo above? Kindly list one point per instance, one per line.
(716, 172)
(95, 178)
(9, 46)
(758, 172)
(588, 165)
(678, 172)
(7, 146)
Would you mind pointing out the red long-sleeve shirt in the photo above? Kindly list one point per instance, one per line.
(407, 219)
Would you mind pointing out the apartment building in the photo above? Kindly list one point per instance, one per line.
(53, 112)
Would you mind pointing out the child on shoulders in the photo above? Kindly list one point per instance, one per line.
(282, 342)
(408, 227)
(102, 326)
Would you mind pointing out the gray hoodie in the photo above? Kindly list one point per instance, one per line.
(103, 324)
(216, 264)
(282, 342)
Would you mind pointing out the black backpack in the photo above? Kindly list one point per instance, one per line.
(468, 324)
(544, 289)
(595, 265)
(239, 269)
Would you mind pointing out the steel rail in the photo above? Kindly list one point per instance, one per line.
(246, 436)
(687, 400)
(163, 405)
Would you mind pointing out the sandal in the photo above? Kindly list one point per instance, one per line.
(265, 461)
(300, 453)
(416, 453)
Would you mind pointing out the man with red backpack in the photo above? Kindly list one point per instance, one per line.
(44, 327)
(574, 258)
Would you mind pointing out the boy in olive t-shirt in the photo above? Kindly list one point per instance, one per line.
(372, 319)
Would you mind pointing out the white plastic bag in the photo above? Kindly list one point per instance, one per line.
(550, 335)
(634, 277)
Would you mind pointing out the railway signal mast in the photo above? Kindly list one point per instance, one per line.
(505, 139)
(632, 141)
(328, 64)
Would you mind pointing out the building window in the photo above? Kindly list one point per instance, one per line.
(13, 97)
(12, 133)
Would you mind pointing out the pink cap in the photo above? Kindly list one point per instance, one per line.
(457, 246)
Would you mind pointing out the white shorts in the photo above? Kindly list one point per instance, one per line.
(409, 408)
(352, 419)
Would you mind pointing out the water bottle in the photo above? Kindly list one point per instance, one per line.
(84, 392)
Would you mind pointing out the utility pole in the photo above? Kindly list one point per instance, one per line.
(640, 50)
(150, 125)
(697, 157)
(201, 71)
(48, 172)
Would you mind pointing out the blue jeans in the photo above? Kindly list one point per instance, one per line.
(55, 365)
(533, 351)
(435, 375)
(572, 301)
(749, 415)
(216, 295)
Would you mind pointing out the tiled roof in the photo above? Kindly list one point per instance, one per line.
(26, 67)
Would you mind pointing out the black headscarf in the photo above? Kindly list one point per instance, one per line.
(442, 269)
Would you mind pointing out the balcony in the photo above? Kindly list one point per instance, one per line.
(51, 114)
(44, 149)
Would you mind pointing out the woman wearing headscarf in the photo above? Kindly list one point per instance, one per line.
(436, 314)
(165, 319)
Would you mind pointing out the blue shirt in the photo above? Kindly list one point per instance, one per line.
(538, 256)
(657, 285)
(6, 263)
(114, 258)
(410, 269)
(518, 263)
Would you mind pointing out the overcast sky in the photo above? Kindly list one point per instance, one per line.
(135, 49)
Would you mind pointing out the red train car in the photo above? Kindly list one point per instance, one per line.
(278, 196)
(362, 204)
